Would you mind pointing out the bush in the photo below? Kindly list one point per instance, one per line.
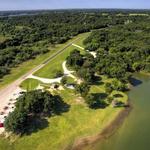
(95, 102)
(108, 88)
(83, 89)
(64, 80)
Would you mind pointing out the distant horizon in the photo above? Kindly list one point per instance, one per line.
(75, 9)
(11, 5)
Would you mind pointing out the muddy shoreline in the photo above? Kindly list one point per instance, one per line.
(109, 130)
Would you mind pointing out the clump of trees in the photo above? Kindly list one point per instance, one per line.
(86, 68)
(33, 104)
(115, 85)
(83, 89)
(83, 64)
(95, 101)
(64, 80)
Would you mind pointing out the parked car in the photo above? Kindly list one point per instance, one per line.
(1, 125)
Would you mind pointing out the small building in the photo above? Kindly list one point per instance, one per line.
(70, 86)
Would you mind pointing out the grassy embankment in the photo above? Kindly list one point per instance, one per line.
(79, 121)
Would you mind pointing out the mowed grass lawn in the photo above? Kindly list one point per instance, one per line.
(61, 131)
(49, 71)
(29, 84)
(27, 66)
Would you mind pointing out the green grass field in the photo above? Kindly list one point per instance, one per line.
(82, 37)
(29, 84)
(53, 66)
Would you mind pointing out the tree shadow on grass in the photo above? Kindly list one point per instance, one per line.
(134, 81)
(61, 106)
(36, 124)
(97, 81)
(121, 104)
(100, 95)
(118, 95)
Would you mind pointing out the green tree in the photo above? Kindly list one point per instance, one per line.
(16, 122)
(64, 80)
(83, 89)
(108, 88)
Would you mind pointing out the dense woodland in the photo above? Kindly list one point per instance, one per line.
(24, 37)
(121, 49)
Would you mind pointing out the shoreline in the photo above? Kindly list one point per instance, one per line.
(109, 130)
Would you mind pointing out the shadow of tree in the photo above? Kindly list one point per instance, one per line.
(97, 81)
(134, 81)
(100, 95)
(35, 123)
(61, 106)
(118, 95)
(120, 104)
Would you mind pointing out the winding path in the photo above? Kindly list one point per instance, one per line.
(91, 52)
(58, 80)
(45, 80)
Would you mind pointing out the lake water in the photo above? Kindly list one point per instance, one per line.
(134, 134)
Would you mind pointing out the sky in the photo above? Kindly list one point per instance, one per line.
(63, 4)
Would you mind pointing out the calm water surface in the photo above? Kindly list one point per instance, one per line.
(134, 134)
